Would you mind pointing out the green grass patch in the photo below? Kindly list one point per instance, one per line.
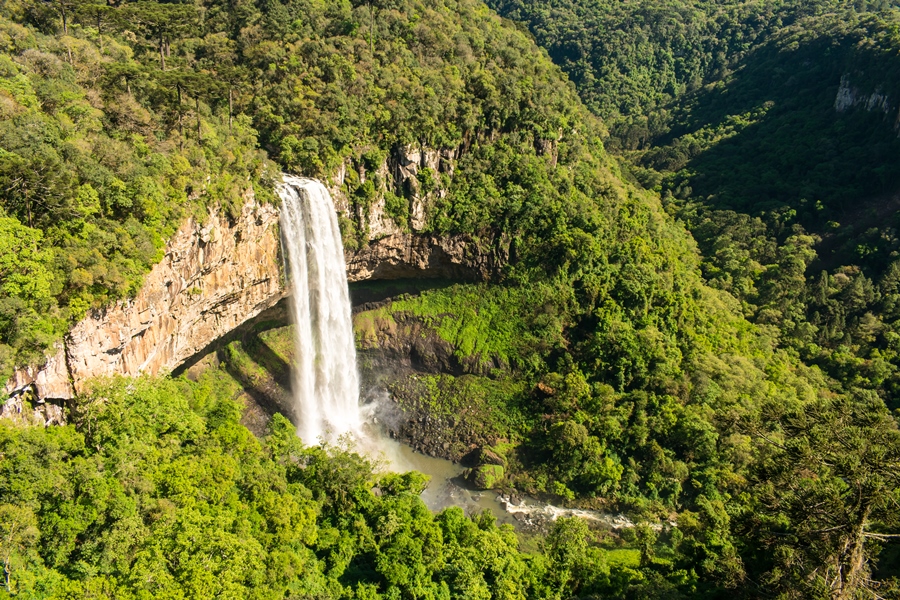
(281, 341)
(512, 325)
(624, 557)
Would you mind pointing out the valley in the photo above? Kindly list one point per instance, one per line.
(622, 301)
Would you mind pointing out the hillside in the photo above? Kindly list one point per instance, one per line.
(770, 130)
(600, 362)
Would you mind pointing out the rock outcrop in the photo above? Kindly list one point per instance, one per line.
(412, 255)
(49, 381)
(44, 413)
(213, 277)
(484, 477)
(401, 173)
(849, 96)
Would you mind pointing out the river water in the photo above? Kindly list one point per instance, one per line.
(447, 488)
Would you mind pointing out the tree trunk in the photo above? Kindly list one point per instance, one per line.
(230, 107)
(199, 132)
(180, 124)
(162, 53)
(851, 563)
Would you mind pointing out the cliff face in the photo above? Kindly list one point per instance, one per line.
(849, 96)
(403, 255)
(401, 174)
(214, 277)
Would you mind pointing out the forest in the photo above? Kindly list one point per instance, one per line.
(698, 321)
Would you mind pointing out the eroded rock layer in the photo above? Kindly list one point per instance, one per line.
(404, 255)
(213, 277)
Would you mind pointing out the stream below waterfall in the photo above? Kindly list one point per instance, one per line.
(447, 488)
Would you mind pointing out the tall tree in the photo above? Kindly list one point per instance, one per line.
(825, 489)
(160, 23)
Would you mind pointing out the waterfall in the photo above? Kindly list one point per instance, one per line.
(325, 381)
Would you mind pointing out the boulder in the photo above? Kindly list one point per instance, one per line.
(483, 456)
(485, 477)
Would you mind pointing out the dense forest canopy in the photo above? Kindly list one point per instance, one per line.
(722, 387)
(157, 491)
(770, 130)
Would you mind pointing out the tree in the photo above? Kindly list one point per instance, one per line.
(35, 186)
(98, 13)
(18, 535)
(24, 264)
(826, 489)
(160, 23)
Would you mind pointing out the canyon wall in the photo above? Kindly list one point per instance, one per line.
(213, 276)
(216, 275)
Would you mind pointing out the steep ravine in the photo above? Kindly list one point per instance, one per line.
(398, 362)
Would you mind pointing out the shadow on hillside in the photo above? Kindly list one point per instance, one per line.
(366, 295)
(769, 141)
(263, 374)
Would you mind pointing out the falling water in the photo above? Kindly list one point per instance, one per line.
(325, 380)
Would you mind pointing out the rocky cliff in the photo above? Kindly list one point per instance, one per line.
(849, 96)
(402, 255)
(415, 176)
(216, 275)
(213, 276)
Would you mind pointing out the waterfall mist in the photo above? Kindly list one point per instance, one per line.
(325, 382)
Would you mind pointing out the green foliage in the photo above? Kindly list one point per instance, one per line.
(157, 491)
(685, 433)
(486, 324)
(769, 129)
(614, 374)
(97, 170)
(630, 60)
(729, 110)
(819, 492)
(486, 477)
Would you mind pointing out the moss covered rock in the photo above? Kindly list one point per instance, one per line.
(485, 477)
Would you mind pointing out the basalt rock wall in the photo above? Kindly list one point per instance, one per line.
(214, 276)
